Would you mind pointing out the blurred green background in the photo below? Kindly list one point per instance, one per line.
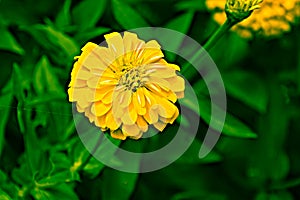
(42, 157)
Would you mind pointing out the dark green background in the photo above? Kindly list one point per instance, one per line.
(257, 156)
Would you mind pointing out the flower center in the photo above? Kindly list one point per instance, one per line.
(131, 79)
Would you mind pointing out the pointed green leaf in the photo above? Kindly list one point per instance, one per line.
(119, 181)
(83, 37)
(194, 5)
(87, 13)
(5, 103)
(191, 155)
(248, 88)
(60, 46)
(45, 80)
(63, 18)
(8, 42)
(126, 16)
(232, 126)
(4, 195)
(181, 24)
(62, 191)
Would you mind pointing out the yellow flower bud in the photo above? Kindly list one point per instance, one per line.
(239, 10)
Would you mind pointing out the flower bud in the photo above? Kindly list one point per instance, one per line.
(238, 10)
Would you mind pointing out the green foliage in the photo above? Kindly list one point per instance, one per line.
(43, 157)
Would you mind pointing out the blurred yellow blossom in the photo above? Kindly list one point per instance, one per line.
(126, 86)
(272, 19)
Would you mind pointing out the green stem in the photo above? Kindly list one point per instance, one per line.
(87, 160)
(208, 45)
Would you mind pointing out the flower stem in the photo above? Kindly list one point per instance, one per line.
(207, 46)
(218, 34)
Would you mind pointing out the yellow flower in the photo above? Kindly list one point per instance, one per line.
(126, 86)
(272, 19)
(239, 10)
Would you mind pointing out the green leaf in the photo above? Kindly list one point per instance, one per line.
(198, 195)
(8, 42)
(62, 191)
(83, 37)
(194, 5)
(235, 52)
(93, 168)
(5, 106)
(45, 80)
(232, 126)
(22, 175)
(60, 46)
(248, 88)
(126, 16)
(181, 24)
(191, 155)
(122, 182)
(4, 195)
(63, 18)
(58, 178)
(35, 155)
(87, 13)
(281, 166)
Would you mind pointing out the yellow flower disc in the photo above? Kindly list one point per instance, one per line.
(272, 19)
(126, 86)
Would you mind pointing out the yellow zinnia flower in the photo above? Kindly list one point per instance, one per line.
(126, 86)
(272, 19)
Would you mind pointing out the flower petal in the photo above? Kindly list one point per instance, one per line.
(130, 115)
(112, 122)
(166, 108)
(160, 126)
(117, 134)
(115, 43)
(130, 130)
(99, 108)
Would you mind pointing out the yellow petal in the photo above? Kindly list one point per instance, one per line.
(89, 114)
(129, 115)
(180, 95)
(112, 122)
(101, 93)
(137, 105)
(153, 87)
(177, 83)
(97, 82)
(108, 98)
(159, 70)
(142, 124)
(151, 116)
(166, 108)
(130, 130)
(101, 121)
(117, 134)
(176, 114)
(83, 96)
(84, 74)
(140, 96)
(99, 108)
(125, 98)
(74, 72)
(152, 44)
(159, 81)
(115, 43)
(137, 136)
(130, 40)
(150, 56)
(89, 47)
(173, 66)
(160, 125)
